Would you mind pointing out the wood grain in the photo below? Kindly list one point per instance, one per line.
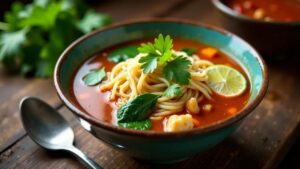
(260, 142)
(13, 88)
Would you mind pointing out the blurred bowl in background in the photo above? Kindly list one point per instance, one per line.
(270, 38)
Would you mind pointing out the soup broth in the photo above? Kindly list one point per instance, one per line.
(97, 103)
(268, 10)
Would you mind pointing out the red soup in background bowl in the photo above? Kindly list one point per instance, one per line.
(271, 26)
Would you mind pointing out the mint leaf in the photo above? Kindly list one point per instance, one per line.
(189, 51)
(94, 77)
(149, 63)
(173, 90)
(137, 109)
(137, 125)
(122, 54)
(93, 20)
(177, 70)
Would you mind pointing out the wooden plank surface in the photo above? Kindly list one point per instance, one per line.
(260, 142)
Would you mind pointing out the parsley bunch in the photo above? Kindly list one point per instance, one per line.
(160, 53)
(33, 36)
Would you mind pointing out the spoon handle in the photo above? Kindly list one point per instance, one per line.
(89, 162)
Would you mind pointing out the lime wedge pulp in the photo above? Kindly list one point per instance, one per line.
(226, 81)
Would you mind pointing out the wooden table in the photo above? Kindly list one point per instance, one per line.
(260, 142)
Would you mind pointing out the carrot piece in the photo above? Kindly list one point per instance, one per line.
(232, 110)
(196, 122)
(209, 52)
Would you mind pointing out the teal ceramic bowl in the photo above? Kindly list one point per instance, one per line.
(148, 145)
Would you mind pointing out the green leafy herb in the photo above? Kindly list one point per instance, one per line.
(149, 63)
(137, 109)
(122, 54)
(137, 125)
(34, 35)
(173, 90)
(177, 70)
(94, 77)
(189, 51)
(93, 20)
(161, 50)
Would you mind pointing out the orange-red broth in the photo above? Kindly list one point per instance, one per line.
(96, 103)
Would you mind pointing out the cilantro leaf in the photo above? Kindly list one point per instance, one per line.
(147, 48)
(94, 77)
(149, 63)
(43, 16)
(11, 43)
(137, 125)
(35, 34)
(122, 54)
(161, 50)
(93, 20)
(173, 90)
(177, 70)
(164, 46)
(189, 51)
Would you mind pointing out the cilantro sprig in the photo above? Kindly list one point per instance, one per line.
(33, 36)
(160, 53)
(161, 50)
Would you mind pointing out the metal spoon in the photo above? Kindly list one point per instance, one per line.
(49, 129)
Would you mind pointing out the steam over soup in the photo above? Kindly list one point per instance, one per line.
(166, 85)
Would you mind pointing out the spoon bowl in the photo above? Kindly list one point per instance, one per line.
(49, 129)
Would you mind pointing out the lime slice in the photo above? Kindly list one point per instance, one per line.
(226, 81)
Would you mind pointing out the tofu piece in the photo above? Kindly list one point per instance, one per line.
(179, 123)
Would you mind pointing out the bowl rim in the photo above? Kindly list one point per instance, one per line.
(219, 4)
(197, 131)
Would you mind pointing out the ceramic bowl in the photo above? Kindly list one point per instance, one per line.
(272, 39)
(148, 145)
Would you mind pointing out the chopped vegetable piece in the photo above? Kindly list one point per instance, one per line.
(232, 110)
(209, 52)
(196, 122)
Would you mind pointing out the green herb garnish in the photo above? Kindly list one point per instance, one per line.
(137, 125)
(94, 77)
(34, 35)
(122, 54)
(189, 51)
(137, 109)
(173, 91)
(161, 50)
(177, 70)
